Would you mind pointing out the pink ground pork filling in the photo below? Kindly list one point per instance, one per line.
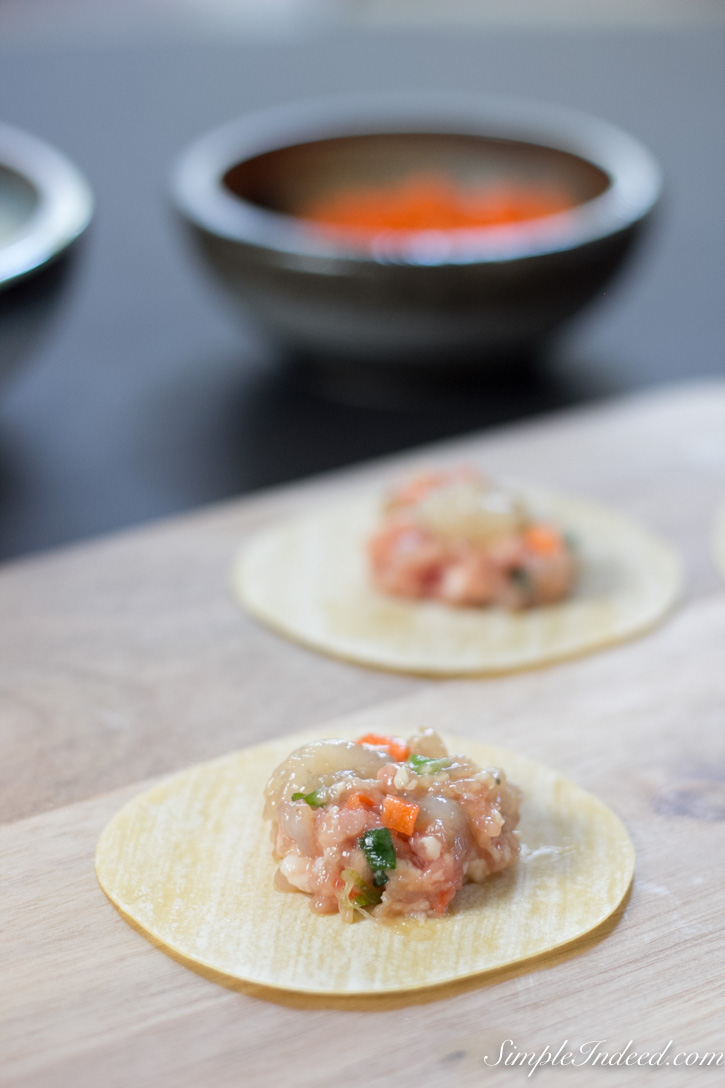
(388, 828)
(455, 537)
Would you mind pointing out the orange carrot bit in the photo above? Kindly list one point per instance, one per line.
(543, 540)
(395, 746)
(440, 901)
(359, 800)
(399, 815)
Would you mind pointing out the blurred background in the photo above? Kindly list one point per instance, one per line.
(144, 397)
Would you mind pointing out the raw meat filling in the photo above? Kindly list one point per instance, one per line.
(455, 537)
(387, 827)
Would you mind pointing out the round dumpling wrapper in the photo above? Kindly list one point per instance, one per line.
(190, 863)
(308, 578)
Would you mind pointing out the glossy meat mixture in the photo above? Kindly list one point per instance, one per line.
(388, 827)
(456, 537)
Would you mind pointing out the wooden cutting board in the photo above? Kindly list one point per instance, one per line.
(126, 658)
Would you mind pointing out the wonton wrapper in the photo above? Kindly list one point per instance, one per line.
(190, 862)
(309, 579)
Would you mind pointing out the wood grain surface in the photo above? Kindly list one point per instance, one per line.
(126, 658)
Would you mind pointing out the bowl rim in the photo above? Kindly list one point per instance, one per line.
(63, 207)
(200, 195)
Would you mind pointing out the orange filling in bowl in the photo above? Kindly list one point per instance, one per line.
(433, 201)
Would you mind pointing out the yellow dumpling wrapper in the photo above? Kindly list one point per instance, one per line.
(308, 578)
(190, 863)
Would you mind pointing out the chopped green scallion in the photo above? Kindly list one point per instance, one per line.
(315, 799)
(428, 765)
(356, 894)
(377, 846)
(520, 577)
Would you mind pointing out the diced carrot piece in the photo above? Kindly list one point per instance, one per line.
(395, 746)
(359, 800)
(398, 749)
(542, 539)
(399, 815)
(440, 901)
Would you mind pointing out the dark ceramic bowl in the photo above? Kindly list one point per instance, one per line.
(477, 294)
(45, 205)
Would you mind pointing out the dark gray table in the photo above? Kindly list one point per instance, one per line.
(147, 398)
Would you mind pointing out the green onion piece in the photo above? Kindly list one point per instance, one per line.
(316, 799)
(377, 846)
(520, 577)
(571, 541)
(427, 765)
(364, 896)
(370, 897)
